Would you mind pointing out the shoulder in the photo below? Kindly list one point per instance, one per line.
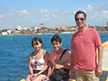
(68, 52)
(52, 51)
(45, 52)
(31, 53)
(92, 29)
(75, 34)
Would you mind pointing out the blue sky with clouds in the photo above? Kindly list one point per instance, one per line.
(30, 13)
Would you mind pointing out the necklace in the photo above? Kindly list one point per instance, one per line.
(38, 54)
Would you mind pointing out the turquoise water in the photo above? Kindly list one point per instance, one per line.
(15, 50)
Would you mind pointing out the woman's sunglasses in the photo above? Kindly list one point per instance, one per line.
(77, 19)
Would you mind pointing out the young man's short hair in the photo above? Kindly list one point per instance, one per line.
(56, 38)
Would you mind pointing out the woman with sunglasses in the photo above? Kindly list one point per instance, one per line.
(38, 61)
(83, 46)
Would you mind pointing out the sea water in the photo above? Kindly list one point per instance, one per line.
(15, 50)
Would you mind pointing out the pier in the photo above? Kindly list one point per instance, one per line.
(105, 59)
(105, 56)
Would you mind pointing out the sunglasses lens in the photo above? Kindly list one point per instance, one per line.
(77, 19)
(82, 19)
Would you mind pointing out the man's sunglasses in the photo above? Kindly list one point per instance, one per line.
(77, 19)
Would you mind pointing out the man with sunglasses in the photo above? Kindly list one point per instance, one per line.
(83, 56)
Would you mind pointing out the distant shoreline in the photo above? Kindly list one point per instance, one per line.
(102, 31)
(50, 33)
(38, 33)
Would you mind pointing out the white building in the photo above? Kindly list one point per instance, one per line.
(4, 33)
(19, 28)
(9, 31)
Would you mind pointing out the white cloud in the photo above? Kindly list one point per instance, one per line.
(89, 9)
(23, 14)
(44, 11)
(95, 8)
(1, 16)
(59, 14)
(24, 11)
(97, 14)
(105, 12)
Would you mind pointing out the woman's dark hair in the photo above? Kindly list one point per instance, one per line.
(36, 39)
(79, 12)
(56, 38)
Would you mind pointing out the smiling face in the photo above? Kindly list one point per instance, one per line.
(56, 45)
(37, 45)
(80, 20)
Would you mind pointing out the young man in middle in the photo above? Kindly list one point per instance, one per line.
(55, 55)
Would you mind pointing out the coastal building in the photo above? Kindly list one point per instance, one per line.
(25, 28)
(15, 31)
(9, 31)
(61, 27)
(34, 29)
(73, 29)
(4, 33)
(19, 28)
(42, 28)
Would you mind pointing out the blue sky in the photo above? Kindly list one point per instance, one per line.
(30, 13)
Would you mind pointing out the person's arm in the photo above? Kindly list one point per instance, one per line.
(49, 72)
(71, 64)
(64, 65)
(46, 65)
(99, 65)
(30, 65)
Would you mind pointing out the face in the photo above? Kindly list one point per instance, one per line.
(37, 46)
(56, 45)
(80, 20)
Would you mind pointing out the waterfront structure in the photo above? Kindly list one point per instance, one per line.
(4, 33)
(42, 28)
(61, 27)
(25, 28)
(19, 28)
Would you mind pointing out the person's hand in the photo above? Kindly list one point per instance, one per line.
(57, 66)
(65, 63)
(44, 78)
(98, 70)
(71, 73)
(31, 77)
